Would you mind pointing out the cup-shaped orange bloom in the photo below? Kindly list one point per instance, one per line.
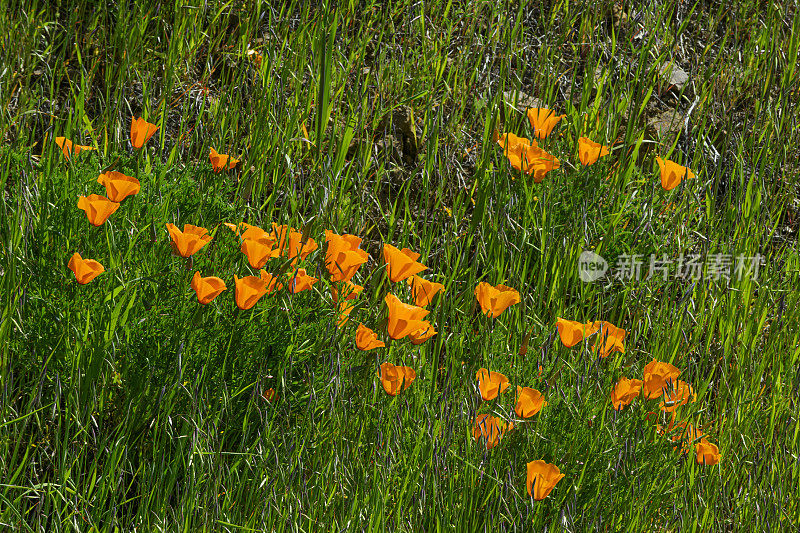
(672, 173)
(207, 288)
(188, 242)
(656, 377)
(248, 231)
(271, 281)
(625, 391)
(249, 290)
(299, 248)
(97, 208)
(529, 402)
(490, 429)
(543, 121)
(495, 300)
(343, 256)
(141, 131)
(347, 289)
(301, 281)
(707, 453)
(366, 339)
(609, 338)
(543, 164)
(542, 477)
(684, 433)
(677, 394)
(590, 151)
(395, 378)
(85, 270)
(69, 148)
(404, 319)
(571, 332)
(422, 334)
(118, 185)
(345, 308)
(491, 383)
(220, 162)
(423, 290)
(401, 264)
(526, 156)
(258, 251)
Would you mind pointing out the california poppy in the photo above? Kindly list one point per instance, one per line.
(221, 162)
(85, 270)
(495, 300)
(258, 251)
(347, 289)
(525, 156)
(625, 391)
(529, 402)
(249, 290)
(271, 281)
(404, 319)
(395, 378)
(590, 151)
(366, 339)
(656, 376)
(609, 338)
(672, 173)
(343, 256)
(422, 334)
(491, 383)
(189, 241)
(401, 264)
(301, 281)
(345, 308)
(490, 429)
(207, 288)
(141, 131)
(423, 290)
(542, 477)
(250, 231)
(298, 247)
(118, 185)
(684, 433)
(69, 148)
(676, 394)
(707, 453)
(542, 165)
(571, 332)
(543, 120)
(97, 208)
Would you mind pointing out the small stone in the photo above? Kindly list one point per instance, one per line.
(666, 123)
(673, 76)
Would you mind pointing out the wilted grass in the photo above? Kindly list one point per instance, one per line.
(128, 406)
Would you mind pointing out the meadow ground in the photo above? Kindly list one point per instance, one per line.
(128, 405)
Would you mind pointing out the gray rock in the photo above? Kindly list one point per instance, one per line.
(666, 123)
(673, 76)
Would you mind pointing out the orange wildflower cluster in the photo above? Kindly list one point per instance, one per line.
(609, 337)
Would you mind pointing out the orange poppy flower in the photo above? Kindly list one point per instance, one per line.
(609, 339)
(301, 281)
(422, 334)
(345, 308)
(141, 131)
(707, 453)
(571, 332)
(271, 281)
(625, 391)
(542, 477)
(249, 290)
(68, 148)
(491, 383)
(269, 395)
(250, 231)
(97, 208)
(366, 339)
(677, 394)
(529, 402)
(221, 162)
(299, 248)
(118, 185)
(188, 242)
(590, 151)
(85, 270)
(348, 289)
(672, 173)
(543, 164)
(395, 378)
(258, 251)
(423, 290)
(543, 120)
(656, 377)
(343, 256)
(404, 319)
(495, 300)
(490, 429)
(401, 264)
(684, 433)
(207, 288)
(526, 156)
